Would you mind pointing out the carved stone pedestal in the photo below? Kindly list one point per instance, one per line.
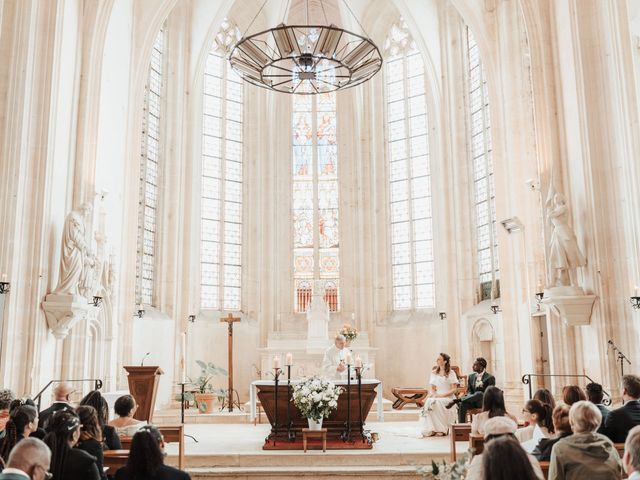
(63, 312)
(571, 304)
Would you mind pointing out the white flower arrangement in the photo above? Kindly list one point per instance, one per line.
(316, 397)
(446, 471)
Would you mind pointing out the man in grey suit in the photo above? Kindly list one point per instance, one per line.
(477, 383)
(29, 459)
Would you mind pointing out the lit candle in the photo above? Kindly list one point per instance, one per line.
(353, 317)
(276, 361)
(540, 286)
(183, 354)
(636, 290)
(289, 360)
(358, 362)
(349, 359)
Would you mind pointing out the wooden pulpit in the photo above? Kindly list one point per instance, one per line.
(143, 386)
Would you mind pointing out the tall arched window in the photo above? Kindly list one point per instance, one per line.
(221, 207)
(316, 255)
(484, 188)
(150, 167)
(409, 173)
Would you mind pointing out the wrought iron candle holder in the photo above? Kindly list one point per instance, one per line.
(635, 301)
(97, 301)
(5, 287)
(277, 371)
(291, 434)
(346, 435)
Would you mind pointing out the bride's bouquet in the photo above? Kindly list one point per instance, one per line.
(316, 397)
(349, 332)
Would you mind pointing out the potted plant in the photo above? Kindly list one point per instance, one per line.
(316, 398)
(205, 393)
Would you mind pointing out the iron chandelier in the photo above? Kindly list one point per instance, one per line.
(306, 59)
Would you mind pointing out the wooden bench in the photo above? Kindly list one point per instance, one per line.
(115, 459)
(476, 444)
(460, 432)
(307, 433)
(170, 433)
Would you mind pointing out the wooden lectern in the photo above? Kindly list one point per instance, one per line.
(143, 386)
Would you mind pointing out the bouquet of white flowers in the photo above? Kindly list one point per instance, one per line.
(316, 397)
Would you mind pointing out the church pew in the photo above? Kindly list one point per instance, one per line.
(171, 434)
(476, 444)
(115, 459)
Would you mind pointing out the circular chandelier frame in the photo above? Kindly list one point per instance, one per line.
(305, 59)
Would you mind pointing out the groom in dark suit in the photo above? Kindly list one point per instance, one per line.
(619, 421)
(477, 383)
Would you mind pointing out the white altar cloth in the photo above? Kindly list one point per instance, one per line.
(253, 393)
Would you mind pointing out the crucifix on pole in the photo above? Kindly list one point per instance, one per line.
(229, 400)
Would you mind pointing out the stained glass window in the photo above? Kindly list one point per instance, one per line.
(221, 187)
(481, 160)
(316, 259)
(412, 260)
(150, 161)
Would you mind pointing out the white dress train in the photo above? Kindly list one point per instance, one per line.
(434, 417)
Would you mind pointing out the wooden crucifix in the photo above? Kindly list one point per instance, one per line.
(230, 320)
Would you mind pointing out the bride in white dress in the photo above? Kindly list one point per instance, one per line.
(434, 417)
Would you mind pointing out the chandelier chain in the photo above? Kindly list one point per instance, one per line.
(356, 18)
(254, 18)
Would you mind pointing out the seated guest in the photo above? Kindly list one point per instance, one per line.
(572, 394)
(434, 417)
(595, 395)
(29, 459)
(478, 382)
(543, 395)
(495, 428)
(61, 394)
(125, 408)
(23, 421)
(586, 454)
(492, 406)
(6, 397)
(146, 458)
(561, 427)
(110, 438)
(631, 457)
(504, 459)
(91, 436)
(621, 420)
(68, 463)
(535, 414)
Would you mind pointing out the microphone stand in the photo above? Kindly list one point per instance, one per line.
(621, 357)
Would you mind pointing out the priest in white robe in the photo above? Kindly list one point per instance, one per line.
(334, 365)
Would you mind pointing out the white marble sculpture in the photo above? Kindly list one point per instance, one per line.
(318, 320)
(76, 260)
(564, 254)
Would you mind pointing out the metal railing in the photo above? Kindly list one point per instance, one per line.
(526, 379)
(97, 385)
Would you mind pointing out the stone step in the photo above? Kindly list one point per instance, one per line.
(317, 473)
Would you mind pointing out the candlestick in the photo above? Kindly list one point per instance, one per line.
(289, 360)
(276, 362)
(358, 362)
(183, 355)
(349, 359)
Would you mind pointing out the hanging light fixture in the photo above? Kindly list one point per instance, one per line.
(306, 59)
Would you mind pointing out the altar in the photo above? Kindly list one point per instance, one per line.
(344, 427)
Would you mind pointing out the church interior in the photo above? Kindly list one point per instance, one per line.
(244, 192)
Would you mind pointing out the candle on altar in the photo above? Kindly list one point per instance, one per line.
(353, 317)
(349, 359)
(289, 359)
(183, 355)
(358, 362)
(636, 290)
(540, 286)
(276, 361)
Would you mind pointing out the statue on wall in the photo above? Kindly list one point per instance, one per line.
(77, 262)
(564, 254)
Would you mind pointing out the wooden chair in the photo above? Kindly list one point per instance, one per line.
(460, 432)
(476, 444)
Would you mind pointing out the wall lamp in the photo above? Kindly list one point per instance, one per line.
(443, 315)
(191, 318)
(97, 301)
(635, 301)
(495, 308)
(139, 311)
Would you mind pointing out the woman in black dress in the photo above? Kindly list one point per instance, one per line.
(110, 438)
(91, 436)
(23, 421)
(146, 458)
(68, 463)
